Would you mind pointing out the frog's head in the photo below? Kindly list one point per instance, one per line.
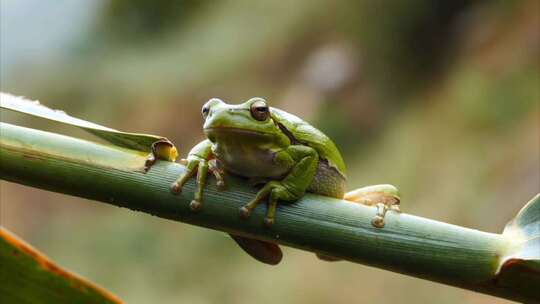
(250, 120)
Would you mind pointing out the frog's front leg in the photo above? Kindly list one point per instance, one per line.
(199, 161)
(303, 161)
(384, 197)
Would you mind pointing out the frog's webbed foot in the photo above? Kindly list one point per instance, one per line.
(201, 166)
(274, 191)
(384, 197)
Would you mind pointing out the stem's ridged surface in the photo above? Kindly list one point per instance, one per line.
(408, 244)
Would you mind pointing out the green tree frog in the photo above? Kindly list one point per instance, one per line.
(267, 144)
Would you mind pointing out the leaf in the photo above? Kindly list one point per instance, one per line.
(521, 265)
(27, 276)
(158, 146)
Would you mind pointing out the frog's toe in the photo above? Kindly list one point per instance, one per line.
(383, 197)
(218, 172)
(269, 221)
(195, 205)
(220, 185)
(244, 212)
(175, 188)
(378, 221)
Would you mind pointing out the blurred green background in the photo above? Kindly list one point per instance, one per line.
(440, 98)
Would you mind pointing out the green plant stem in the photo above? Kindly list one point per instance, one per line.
(408, 244)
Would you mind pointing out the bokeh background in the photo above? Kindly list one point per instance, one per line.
(440, 98)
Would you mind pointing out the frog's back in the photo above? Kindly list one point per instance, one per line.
(330, 177)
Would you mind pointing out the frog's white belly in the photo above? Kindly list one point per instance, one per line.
(249, 160)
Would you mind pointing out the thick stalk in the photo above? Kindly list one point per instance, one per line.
(408, 244)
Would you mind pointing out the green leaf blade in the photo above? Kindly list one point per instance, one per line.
(28, 276)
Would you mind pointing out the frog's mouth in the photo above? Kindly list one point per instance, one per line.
(216, 132)
(233, 130)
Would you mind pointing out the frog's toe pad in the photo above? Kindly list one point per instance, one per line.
(268, 222)
(244, 212)
(175, 188)
(220, 185)
(378, 221)
(195, 205)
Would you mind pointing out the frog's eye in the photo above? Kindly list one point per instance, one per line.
(259, 110)
(210, 103)
(205, 110)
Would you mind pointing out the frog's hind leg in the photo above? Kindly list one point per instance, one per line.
(385, 197)
(275, 191)
(303, 160)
